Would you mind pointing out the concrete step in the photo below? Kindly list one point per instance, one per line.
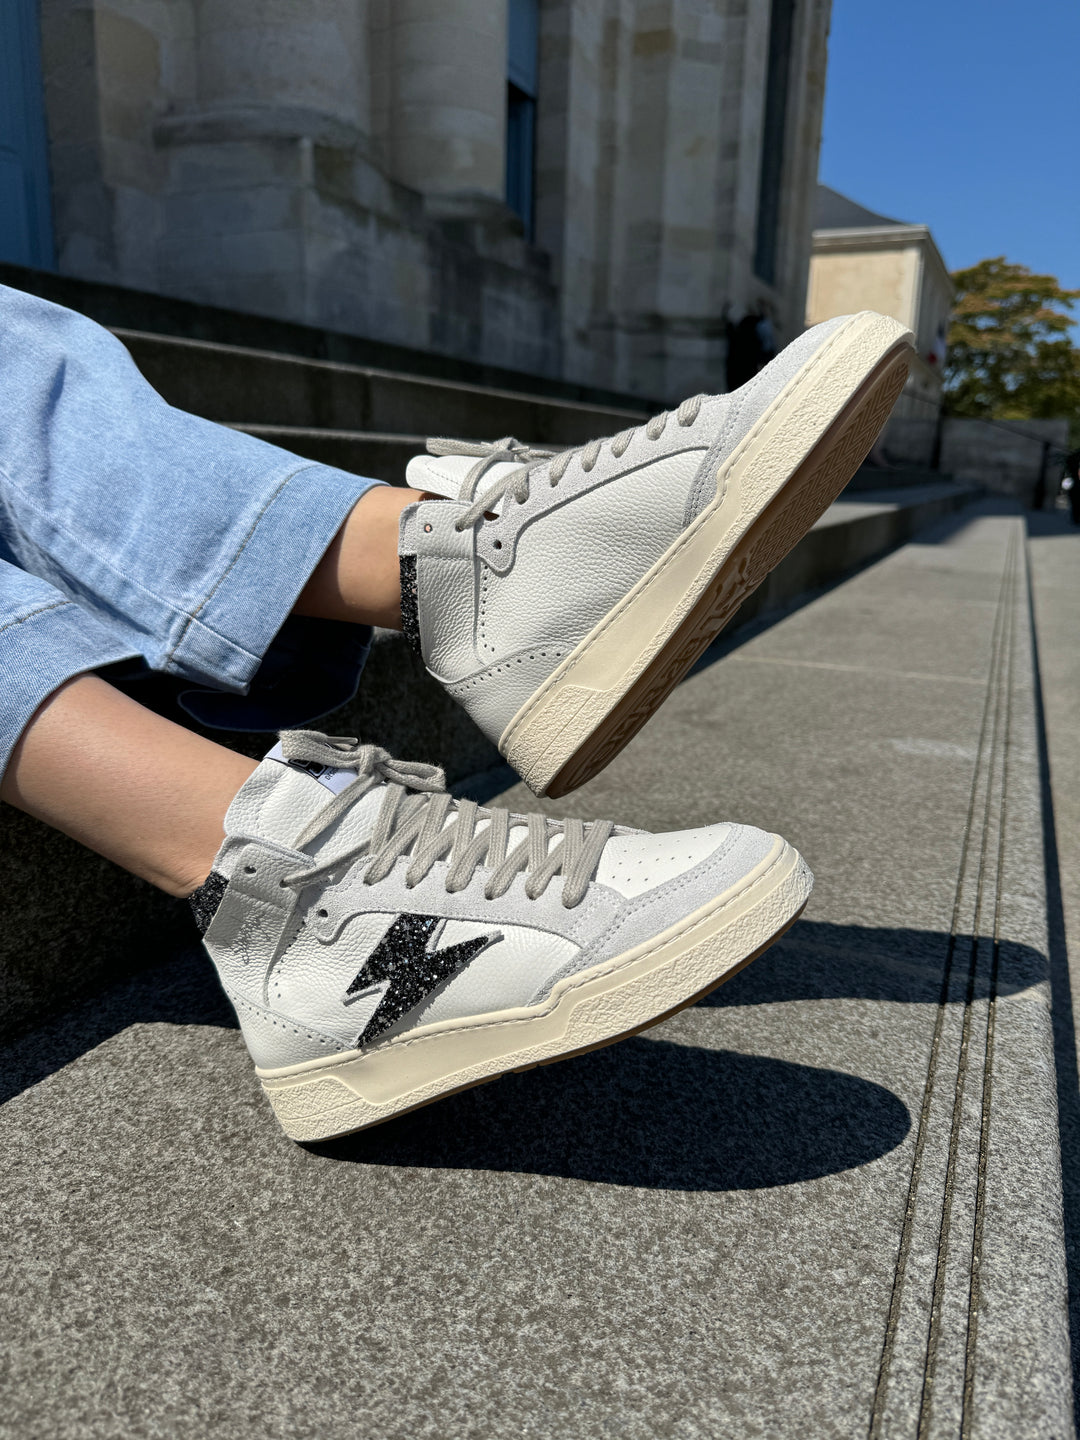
(383, 457)
(825, 1202)
(101, 923)
(120, 307)
(893, 477)
(260, 388)
(890, 729)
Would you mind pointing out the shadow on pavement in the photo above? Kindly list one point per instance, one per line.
(819, 961)
(653, 1115)
(647, 1112)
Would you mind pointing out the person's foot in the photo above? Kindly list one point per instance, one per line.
(560, 598)
(385, 945)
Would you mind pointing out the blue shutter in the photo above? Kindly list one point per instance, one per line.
(25, 204)
(524, 44)
(522, 65)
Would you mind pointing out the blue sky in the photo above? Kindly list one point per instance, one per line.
(963, 115)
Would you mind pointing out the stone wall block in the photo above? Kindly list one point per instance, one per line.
(233, 211)
(282, 53)
(240, 164)
(1007, 457)
(343, 162)
(448, 108)
(129, 56)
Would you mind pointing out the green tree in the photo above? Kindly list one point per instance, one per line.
(1010, 353)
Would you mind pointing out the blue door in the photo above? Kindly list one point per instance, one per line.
(25, 207)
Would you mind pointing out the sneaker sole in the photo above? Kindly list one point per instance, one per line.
(617, 998)
(813, 437)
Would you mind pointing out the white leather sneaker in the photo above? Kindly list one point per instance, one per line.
(385, 945)
(560, 597)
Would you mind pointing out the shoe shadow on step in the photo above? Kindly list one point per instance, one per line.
(647, 1112)
(653, 1115)
(816, 960)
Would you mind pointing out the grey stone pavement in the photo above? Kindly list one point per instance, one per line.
(824, 1202)
(1054, 549)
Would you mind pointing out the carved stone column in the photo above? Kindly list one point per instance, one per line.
(285, 57)
(447, 122)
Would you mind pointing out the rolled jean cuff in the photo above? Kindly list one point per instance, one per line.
(225, 640)
(42, 650)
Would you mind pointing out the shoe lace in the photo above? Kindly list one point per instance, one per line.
(531, 458)
(418, 815)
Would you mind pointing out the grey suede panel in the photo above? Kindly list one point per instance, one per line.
(650, 914)
(746, 406)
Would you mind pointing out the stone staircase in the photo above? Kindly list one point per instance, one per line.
(364, 420)
(826, 1202)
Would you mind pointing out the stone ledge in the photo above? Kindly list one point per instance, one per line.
(122, 307)
(232, 384)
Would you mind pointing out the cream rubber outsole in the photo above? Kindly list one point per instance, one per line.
(618, 997)
(785, 472)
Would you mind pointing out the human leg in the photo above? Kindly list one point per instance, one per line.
(359, 577)
(127, 783)
(131, 533)
(145, 792)
(187, 542)
(383, 944)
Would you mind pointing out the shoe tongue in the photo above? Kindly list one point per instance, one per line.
(282, 796)
(445, 474)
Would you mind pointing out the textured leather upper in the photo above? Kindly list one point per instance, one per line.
(287, 958)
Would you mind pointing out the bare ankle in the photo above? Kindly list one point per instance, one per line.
(358, 578)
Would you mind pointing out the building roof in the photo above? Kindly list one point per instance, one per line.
(833, 211)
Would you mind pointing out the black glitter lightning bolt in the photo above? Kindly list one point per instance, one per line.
(402, 957)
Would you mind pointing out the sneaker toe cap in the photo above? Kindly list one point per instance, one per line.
(634, 864)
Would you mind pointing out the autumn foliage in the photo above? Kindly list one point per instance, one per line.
(1011, 356)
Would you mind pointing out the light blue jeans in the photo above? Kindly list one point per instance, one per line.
(132, 532)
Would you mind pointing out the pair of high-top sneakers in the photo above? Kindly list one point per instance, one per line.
(385, 944)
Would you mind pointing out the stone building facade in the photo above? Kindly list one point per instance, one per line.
(591, 189)
(862, 260)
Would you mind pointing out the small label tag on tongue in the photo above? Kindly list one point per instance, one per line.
(335, 780)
